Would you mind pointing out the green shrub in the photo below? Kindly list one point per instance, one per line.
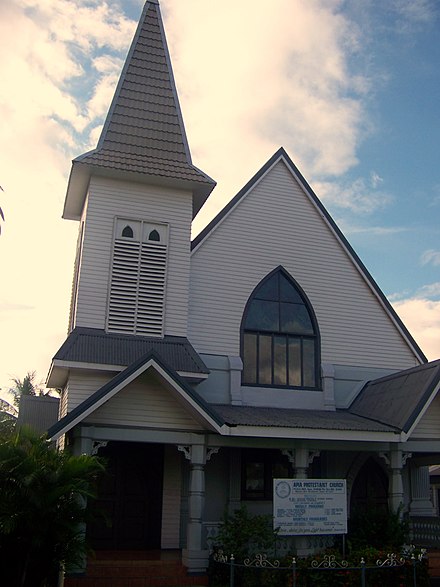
(42, 497)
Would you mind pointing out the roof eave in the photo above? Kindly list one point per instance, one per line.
(59, 372)
(82, 172)
(315, 434)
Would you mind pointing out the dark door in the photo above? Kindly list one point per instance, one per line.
(129, 506)
(370, 489)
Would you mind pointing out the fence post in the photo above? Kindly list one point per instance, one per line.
(413, 559)
(363, 572)
(293, 572)
(231, 571)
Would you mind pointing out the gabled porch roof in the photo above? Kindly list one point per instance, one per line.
(193, 402)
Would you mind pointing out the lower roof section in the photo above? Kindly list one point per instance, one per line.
(305, 419)
(93, 347)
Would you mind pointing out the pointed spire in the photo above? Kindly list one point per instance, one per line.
(144, 132)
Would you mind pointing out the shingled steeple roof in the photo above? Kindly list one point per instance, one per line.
(144, 134)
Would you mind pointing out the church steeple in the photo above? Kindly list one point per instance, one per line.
(144, 135)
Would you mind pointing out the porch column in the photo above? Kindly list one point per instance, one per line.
(302, 456)
(421, 504)
(194, 556)
(396, 484)
(301, 472)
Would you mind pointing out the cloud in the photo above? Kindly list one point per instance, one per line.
(6, 306)
(413, 12)
(372, 230)
(291, 84)
(58, 61)
(422, 318)
(357, 196)
(430, 257)
(420, 312)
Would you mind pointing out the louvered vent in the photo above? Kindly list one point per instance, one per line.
(137, 287)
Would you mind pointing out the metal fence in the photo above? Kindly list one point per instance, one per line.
(403, 565)
(425, 531)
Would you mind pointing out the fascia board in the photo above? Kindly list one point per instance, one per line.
(352, 255)
(66, 366)
(314, 434)
(185, 399)
(179, 393)
(99, 402)
(231, 205)
(422, 411)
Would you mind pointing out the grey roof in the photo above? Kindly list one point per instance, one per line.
(281, 154)
(38, 412)
(397, 399)
(92, 345)
(144, 132)
(105, 391)
(292, 418)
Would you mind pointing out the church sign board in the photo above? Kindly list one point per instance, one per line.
(304, 507)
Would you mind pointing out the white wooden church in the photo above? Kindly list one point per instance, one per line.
(202, 370)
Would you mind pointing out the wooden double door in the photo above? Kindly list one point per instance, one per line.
(128, 512)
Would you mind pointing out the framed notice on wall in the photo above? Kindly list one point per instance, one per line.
(304, 507)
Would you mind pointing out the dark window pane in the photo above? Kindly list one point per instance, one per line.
(250, 358)
(262, 315)
(294, 361)
(309, 362)
(269, 289)
(254, 478)
(154, 236)
(288, 292)
(265, 360)
(295, 318)
(279, 360)
(127, 232)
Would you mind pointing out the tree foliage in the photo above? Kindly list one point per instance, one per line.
(26, 386)
(42, 497)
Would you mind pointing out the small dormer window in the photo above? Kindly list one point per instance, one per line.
(127, 232)
(154, 236)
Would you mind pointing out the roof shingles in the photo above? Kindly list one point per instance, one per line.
(146, 92)
(90, 345)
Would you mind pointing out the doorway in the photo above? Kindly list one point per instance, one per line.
(370, 488)
(128, 511)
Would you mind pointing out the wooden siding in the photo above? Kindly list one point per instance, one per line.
(144, 403)
(172, 481)
(429, 425)
(82, 384)
(108, 199)
(276, 225)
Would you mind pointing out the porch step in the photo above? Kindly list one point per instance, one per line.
(434, 563)
(136, 569)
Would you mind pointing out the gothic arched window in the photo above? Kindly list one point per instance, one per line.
(280, 337)
(154, 236)
(127, 232)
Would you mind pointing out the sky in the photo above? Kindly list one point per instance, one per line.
(350, 88)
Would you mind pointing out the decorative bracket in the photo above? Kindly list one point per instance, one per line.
(290, 454)
(211, 450)
(186, 449)
(97, 444)
(313, 454)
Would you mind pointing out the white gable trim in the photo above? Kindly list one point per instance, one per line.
(423, 410)
(179, 393)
